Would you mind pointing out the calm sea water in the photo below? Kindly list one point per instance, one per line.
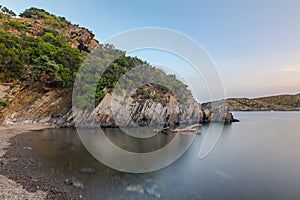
(257, 158)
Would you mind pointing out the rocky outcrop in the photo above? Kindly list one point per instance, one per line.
(41, 92)
(82, 38)
(217, 112)
(77, 37)
(30, 105)
(115, 110)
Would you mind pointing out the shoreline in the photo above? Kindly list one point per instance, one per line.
(20, 174)
(8, 187)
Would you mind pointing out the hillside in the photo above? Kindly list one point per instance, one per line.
(40, 57)
(276, 103)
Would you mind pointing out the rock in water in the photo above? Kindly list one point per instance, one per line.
(75, 183)
(68, 182)
(135, 188)
(87, 170)
(151, 191)
(78, 184)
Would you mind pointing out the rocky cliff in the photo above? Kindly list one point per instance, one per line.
(29, 105)
(41, 55)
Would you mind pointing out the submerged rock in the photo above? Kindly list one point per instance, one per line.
(87, 170)
(135, 188)
(78, 184)
(151, 191)
(68, 182)
(75, 183)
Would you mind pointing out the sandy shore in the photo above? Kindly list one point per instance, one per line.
(8, 188)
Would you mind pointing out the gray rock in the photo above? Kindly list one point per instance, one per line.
(135, 188)
(75, 183)
(68, 182)
(3, 161)
(27, 148)
(78, 184)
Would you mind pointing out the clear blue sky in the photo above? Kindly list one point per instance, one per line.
(255, 44)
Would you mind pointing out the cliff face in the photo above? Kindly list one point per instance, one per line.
(29, 105)
(41, 55)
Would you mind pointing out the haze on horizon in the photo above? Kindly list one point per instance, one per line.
(254, 44)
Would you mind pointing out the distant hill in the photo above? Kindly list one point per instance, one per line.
(277, 103)
(298, 94)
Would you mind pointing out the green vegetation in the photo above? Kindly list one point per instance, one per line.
(6, 12)
(108, 65)
(18, 55)
(52, 20)
(276, 103)
(36, 48)
(282, 100)
(4, 102)
(14, 24)
(47, 58)
(113, 73)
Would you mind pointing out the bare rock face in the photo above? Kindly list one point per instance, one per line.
(29, 105)
(83, 39)
(54, 107)
(78, 37)
(137, 110)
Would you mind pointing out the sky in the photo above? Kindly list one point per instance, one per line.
(255, 44)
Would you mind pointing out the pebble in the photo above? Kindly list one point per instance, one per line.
(3, 161)
(27, 148)
(13, 191)
(135, 188)
(75, 183)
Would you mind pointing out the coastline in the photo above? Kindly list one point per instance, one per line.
(9, 188)
(21, 177)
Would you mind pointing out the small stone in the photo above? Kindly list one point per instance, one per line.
(14, 159)
(78, 184)
(27, 148)
(68, 182)
(3, 161)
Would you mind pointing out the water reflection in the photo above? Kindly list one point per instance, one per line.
(257, 158)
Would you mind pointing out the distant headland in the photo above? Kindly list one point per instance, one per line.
(271, 103)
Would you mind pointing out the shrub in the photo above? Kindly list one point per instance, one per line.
(12, 24)
(4, 102)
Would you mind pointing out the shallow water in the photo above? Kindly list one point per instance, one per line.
(257, 158)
